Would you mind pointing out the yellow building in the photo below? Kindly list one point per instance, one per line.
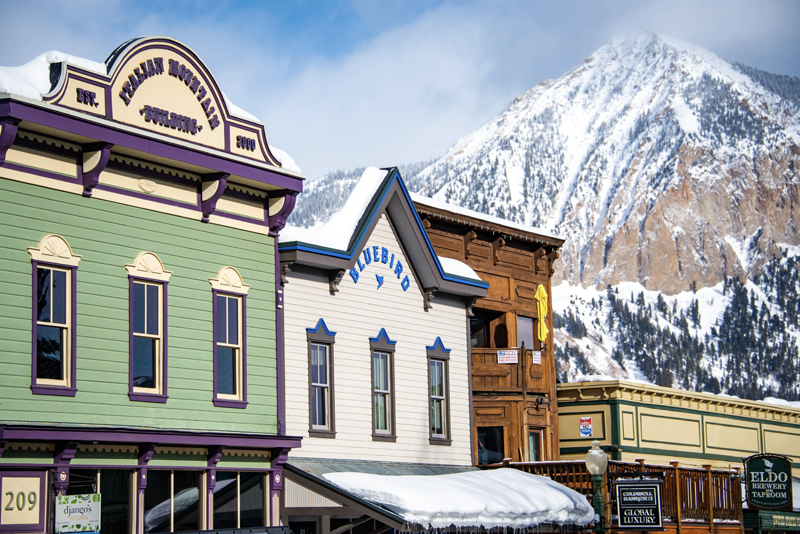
(661, 425)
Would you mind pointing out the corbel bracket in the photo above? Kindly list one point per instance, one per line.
(95, 159)
(286, 268)
(146, 451)
(497, 244)
(280, 207)
(65, 452)
(471, 306)
(213, 187)
(466, 240)
(334, 277)
(427, 295)
(426, 224)
(214, 456)
(2, 448)
(551, 259)
(8, 133)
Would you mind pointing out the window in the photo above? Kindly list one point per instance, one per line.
(535, 445)
(173, 501)
(491, 448)
(115, 488)
(229, 295)
(147, 304)
(53, 364)
(239, 500)
(438, 393)
(320, 377)
(383, 420)
(525, 332)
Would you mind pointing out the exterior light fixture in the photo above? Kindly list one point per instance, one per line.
(596, 464)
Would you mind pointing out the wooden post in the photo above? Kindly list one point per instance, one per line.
(606, 500)
(710, 498)
(677, 496)
(741, 512)
(525, 447)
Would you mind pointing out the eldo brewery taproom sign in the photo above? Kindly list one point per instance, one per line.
(639, 505)
(769, 482)
(159, 84)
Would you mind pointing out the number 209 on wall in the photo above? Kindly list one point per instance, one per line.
(21, 506)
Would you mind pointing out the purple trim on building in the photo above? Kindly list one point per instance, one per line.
(139, 396)
(92, 178)
(230, 403)
(39, 172)
(140, 141)
(40, 526)
(147, 435)
(208, 206)
(227, 136)
(59, 391)
(278, 221)
(279, 342)
(7, 137)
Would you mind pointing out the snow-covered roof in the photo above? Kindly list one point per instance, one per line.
(491, 499)
(32, 80)
(338, 231)
(438, 204)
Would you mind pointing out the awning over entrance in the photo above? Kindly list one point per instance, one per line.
(469, 498)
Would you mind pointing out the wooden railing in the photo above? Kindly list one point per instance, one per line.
(685, 491)
(488, 375)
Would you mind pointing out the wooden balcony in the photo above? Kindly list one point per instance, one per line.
(490, 376)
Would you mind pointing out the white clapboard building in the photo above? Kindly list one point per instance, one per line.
(377, 358)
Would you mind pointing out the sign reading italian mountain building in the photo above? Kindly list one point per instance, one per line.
(769, 482)
(159, 84)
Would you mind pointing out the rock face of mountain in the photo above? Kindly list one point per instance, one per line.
(659, 162)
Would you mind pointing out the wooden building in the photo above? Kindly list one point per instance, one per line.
(514, 405)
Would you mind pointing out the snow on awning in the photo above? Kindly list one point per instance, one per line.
(490, 499)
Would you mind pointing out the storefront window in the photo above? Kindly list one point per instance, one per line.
(172, 501)
(239, 500)
(113, 485)
(491, 449)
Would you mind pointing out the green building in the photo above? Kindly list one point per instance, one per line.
(140, 320)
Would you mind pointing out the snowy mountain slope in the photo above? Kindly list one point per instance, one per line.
(655, 158)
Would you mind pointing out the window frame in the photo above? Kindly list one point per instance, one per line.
(321, 335)
(54, 253)
(148, 269)
(229, 283)
(437, 353)
(382, 344)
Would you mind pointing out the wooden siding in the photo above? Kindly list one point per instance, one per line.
(356, 313)
(109, 235)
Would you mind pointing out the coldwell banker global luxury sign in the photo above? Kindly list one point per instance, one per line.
(769, 482)
(639, 505)
(78, 513)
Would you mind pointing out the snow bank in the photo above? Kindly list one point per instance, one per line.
(285, 159)
(497, 498)
(781, 402)
(336, 233)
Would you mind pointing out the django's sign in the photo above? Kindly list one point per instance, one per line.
(769, 482)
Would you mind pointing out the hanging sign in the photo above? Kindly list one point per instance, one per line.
(507, 356)
(769, 482)
(78, 513)
(586, 427)
(639, 505)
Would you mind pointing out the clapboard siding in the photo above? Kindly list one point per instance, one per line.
(109, 235)
(356, 313)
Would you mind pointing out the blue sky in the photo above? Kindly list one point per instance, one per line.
(342, 84)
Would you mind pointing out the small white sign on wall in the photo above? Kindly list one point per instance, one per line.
(537, 357)
(78, 513)
(586, 427)
(507, 356)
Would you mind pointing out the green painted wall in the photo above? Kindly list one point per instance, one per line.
(109, 235)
